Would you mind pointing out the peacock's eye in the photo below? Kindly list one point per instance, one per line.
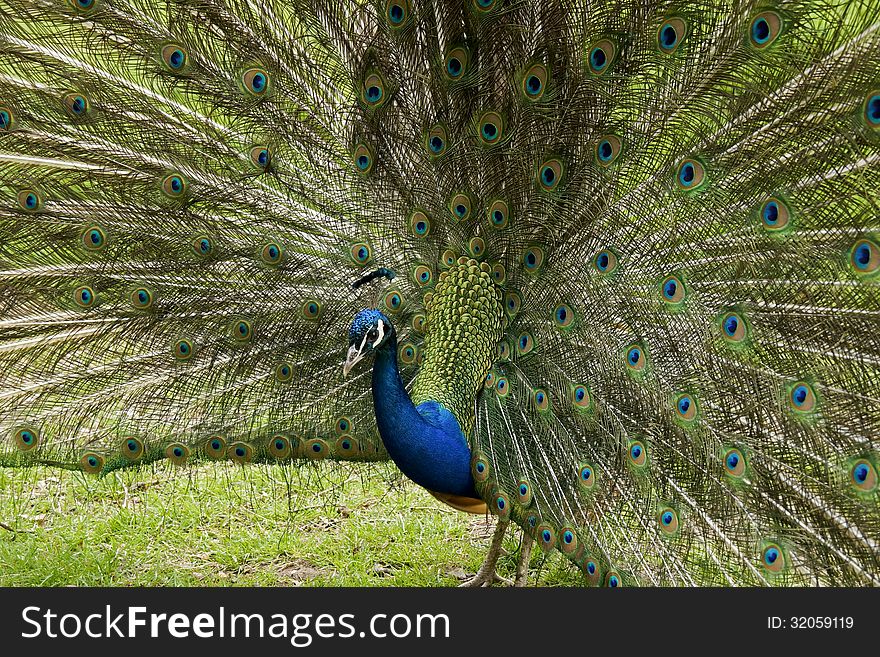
(373, 334)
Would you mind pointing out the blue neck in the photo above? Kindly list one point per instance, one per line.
(426, 442)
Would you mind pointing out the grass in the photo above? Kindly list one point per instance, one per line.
(224, 525)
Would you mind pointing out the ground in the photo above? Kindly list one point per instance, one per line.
(226, 525)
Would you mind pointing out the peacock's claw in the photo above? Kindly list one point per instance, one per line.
(486, 575)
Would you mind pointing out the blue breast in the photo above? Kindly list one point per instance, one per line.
(426, 442)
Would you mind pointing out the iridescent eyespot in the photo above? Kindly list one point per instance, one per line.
(91, 463)
(83, 5)
(534, 82)
(311, 309)
(668, 520)
(480, 467)
(512, 303)
(499, 273)
(533, 259)
(865, 257)
(546, 535)
(141, 298)
(360, 253)
(484, 6)
(436, 141)
(605, 262)
(801, 397)
(489, 381)
(586, 476)
(863, 475)
(607, 150)
(670, 35)
(215, 448)
(345, 446)
(255, 81)
(686, 407)
(397, 13)
(499, 214)
(93, 238)
(447, 259)
(563, 316)
(183, 349)
(343, 425)
(374, 93)
(419, 224)
(733, 327)
(580, 396)
(423, 276)
(524, 493)
(260, 156)
(601, 56)
(592, 571)
(501, 507)
(568, 541)
(550, 174)
(764, 29)
(7, 119)
(612, 580)
(691, 175)
(406, 353)
(174, 57)
(362, 156)
(502, 387)
(455, 64)
(460, 206)
(672, 290)
(525, 343)
(871, 110)
(132, 448)
(280, 447)
(775, 214)
(418, 323)
(241, 330)
(174, 185)
(240, 452)
(636, 358)
(773, 558)
(503, 350)
(283, 372)
(30, 200)
(26, 438)
(84, 296)
(491, 128)
(76, 105)
(637, 453)
(477, 247)
(393, 301)
(734, 463)
(202, 246)
(272, 253)
(540, 399)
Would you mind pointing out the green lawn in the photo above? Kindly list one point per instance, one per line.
(223, 525)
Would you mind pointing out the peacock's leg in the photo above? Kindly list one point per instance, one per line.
(522, 565)
(486, 576)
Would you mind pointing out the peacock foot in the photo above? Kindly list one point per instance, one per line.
(486, 575)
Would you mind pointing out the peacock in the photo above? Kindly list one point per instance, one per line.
(608, 270)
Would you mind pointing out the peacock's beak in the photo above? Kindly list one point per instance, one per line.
(355, 355)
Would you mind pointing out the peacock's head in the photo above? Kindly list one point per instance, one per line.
(369, 330)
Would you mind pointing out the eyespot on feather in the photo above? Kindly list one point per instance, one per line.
(764, 29)
(533, 82)
(601, 56)
(670, 34)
